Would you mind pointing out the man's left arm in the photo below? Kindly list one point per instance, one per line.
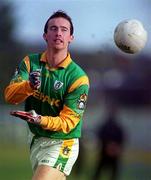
(71, 114)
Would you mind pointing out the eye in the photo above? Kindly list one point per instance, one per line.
(53, 28)
(64, 29)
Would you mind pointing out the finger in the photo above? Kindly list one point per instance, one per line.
(21, 114)
(18, 116)
(36, 79)
(35, 73)
(30, 121)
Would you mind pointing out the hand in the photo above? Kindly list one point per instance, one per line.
(34, 78)
(30, 116)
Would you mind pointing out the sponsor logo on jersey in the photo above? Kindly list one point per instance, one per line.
(58, 85)
(45, 98)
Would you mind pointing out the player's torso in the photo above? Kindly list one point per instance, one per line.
(55, 83)
(53, 88)
(49, 98)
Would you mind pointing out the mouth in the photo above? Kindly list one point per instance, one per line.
(58, 41)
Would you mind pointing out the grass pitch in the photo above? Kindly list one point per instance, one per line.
(15, 165)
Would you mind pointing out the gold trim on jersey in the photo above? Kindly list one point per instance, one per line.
(63, 64)
(27, 62)
(79, 82)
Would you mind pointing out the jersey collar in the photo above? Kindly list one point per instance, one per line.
(63, 64)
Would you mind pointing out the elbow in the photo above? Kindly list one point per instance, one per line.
(69, 126)
(66, 131)
(7, 98)
(10, 100)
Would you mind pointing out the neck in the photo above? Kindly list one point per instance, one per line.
(55, 57)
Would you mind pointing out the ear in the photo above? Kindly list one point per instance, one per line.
(44, 36)
(71, 38)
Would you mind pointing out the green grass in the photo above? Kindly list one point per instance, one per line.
(15, 165)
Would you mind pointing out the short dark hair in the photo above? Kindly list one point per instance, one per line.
(58, 14)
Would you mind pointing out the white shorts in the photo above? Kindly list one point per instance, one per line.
(56, 153)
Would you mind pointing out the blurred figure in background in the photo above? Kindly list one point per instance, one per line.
(111, 138)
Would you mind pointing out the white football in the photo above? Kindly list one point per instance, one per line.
(130, 36)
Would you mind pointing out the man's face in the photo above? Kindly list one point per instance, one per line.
(58, 33)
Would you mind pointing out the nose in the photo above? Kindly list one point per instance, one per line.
(58, 32)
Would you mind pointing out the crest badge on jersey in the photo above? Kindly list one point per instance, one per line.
(58, 85)
(82, 101)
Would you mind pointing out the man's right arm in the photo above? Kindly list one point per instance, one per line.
(16, 93)
(19, 88)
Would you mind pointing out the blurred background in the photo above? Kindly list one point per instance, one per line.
(117, 80)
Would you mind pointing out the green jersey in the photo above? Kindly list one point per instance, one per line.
(60, 100)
